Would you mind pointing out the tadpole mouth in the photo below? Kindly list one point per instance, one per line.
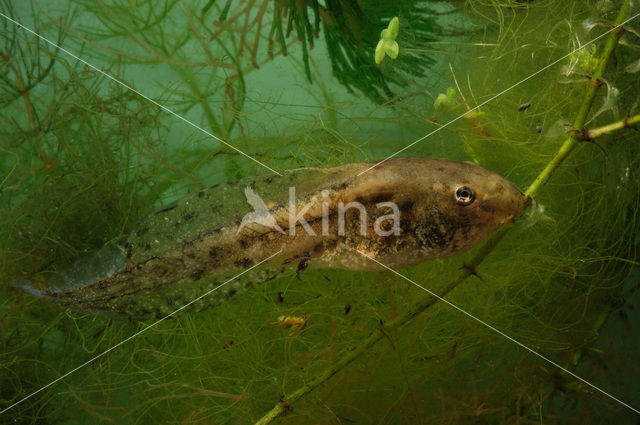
(513, 202)
(524, 199)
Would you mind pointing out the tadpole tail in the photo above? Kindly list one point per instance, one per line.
(26, 286)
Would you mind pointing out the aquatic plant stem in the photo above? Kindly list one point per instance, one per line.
(470, 266)
(578, 124)
(384, 330)
(609, 128)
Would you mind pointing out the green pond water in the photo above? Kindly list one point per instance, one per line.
(123, 107)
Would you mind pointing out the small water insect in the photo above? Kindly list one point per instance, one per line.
(524, 106)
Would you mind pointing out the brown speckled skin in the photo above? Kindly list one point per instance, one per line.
(192, 246)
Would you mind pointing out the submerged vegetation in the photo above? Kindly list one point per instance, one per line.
(84, 157)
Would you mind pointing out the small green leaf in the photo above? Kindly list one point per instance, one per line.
(391, 48)
(394, 27)
(387, 44)
(441, 101)
(379, 55)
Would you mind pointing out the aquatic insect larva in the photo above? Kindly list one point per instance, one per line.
(402, 212)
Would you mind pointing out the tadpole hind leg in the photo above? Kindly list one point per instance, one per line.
(302, 265)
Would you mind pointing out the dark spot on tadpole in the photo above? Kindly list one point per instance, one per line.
(200, 193)
(188, 216)
(245, 262)
(374, 198)
(243, 243)
(142, 231)
(341, 186)
(147, 247)
(347, 309)
(302, 265)
(268, 179)
(403, 244)
(436, 235)
(406, 206)
(214, 252)
(127, 250)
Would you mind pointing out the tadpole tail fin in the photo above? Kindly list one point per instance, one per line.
(92, 268)
(27, 287)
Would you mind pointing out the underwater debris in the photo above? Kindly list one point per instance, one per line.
(296, 324)
(524, 106)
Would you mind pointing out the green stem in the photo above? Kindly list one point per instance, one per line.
(492, 241)
(578, 124)
(609, 128)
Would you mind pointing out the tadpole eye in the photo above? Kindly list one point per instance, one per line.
(464, 196)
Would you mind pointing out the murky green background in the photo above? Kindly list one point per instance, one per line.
(82, 158)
